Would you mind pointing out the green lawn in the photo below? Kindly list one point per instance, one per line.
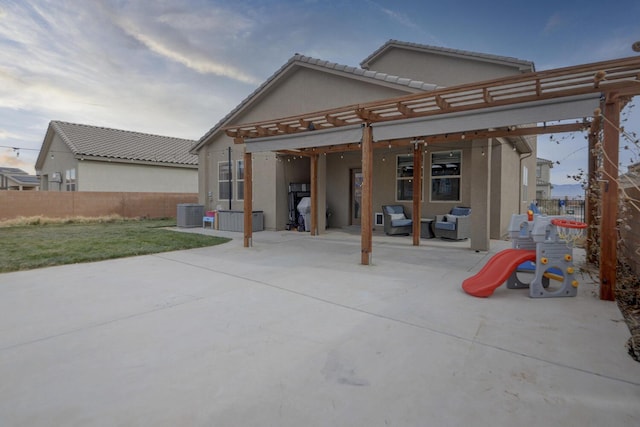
(27, 247)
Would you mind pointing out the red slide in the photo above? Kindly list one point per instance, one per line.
(496, 271)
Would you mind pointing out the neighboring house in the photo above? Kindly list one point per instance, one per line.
(543, 179)
(77, 157)
(306, 84)
(17, 179)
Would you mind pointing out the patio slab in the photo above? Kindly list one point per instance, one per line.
(294, 331)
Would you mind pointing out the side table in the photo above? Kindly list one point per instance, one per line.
(426, 228)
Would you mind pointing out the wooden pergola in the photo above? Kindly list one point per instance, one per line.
(564, 92)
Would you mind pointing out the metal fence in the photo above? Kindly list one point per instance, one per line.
(569, 207)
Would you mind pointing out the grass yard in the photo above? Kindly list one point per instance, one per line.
(25, 247)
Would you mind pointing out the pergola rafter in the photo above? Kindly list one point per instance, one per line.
(615, 81)
(621, 76)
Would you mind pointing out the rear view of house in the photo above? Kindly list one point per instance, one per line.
(307, 84)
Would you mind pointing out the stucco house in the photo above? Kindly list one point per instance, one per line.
(17, 179)
(397, 68)
(78, 157)
(543, 179)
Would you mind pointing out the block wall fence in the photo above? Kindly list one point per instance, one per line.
(53, 204)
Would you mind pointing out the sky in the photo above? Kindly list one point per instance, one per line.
(176, 67)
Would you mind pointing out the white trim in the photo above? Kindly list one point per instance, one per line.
(379, 218)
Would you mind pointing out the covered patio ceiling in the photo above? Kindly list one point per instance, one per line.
(507, 107)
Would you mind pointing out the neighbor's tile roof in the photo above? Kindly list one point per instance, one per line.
(301, 60)
(109, 143)
(520, 63)
(9, 171)
(25, 179)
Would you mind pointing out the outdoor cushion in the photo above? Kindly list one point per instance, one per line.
(450, 218)
(395, 216)
(445, 225)
(460, 211)
(400, 222)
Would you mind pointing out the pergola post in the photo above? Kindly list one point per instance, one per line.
(417, 191)
(367, 190)
(608, 224)
(248, 201)
(314, 194)
(592, 167)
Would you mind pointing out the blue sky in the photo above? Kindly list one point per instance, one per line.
(176, 67)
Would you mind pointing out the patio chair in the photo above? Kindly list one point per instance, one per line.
(455, 225)
(395, 220)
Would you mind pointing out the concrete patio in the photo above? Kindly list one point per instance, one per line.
(295, 332)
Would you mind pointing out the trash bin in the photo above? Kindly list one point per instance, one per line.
(304, 208)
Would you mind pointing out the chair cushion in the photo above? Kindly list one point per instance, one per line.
(401, 222)
(444, 225)
(395, 216)
(394, 209)
(461, 211)
(451, 218)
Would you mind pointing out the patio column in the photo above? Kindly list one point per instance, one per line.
(480, 199)
(608, 223)
(248, 201)
(417, 191)
(367, 203)
(314, 194)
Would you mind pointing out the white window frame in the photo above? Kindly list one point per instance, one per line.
(451, 153)
(525, 183)
(70, 179)
(405, 178)
(225, 181)
(239, 182)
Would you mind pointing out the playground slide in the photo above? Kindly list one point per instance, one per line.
(496, 271)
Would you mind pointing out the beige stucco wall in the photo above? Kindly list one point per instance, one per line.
(438, 69)
(105, 176)
(59, 159)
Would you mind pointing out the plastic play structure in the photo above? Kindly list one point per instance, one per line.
(542, 245)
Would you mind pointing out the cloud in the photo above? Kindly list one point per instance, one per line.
(9, 159)
(554, 22)
(194, 60)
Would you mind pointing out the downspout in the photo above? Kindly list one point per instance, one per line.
(520, 171)
(230, 178)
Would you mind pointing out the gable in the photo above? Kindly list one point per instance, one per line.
(314, 84)
(308, 89)
(444, 67)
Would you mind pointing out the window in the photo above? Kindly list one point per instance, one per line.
(445, 176)
(404, 177)
(525, 183)
(240, 180)
(70, 179)
(224, 181)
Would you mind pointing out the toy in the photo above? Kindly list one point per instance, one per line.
(541, 245)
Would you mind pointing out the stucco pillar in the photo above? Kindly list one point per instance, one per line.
(480, 194)
(322, 193)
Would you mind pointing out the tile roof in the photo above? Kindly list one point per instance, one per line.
(523, 65)
(8, 171)
(25, 179)
(109, 143)
(302, 60)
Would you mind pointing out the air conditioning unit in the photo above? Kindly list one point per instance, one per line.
(56, 177)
